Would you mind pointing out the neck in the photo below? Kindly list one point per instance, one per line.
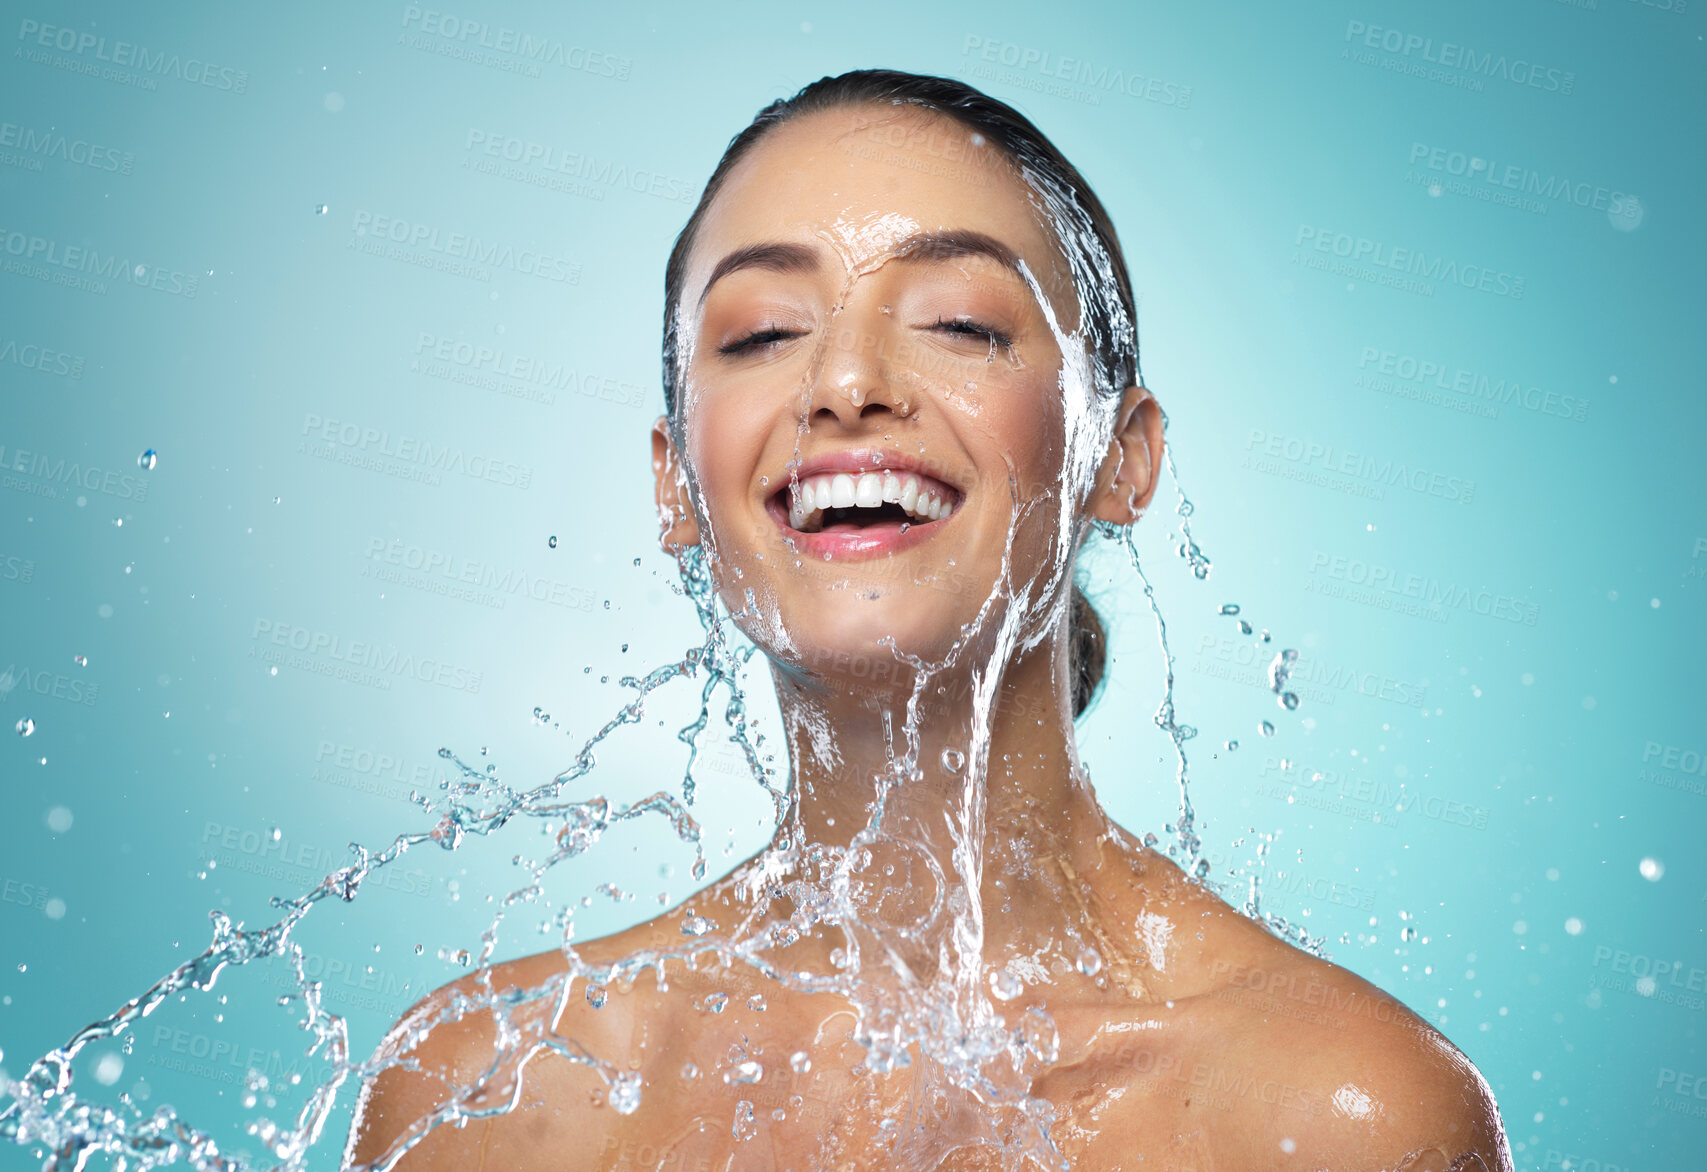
(984, 788)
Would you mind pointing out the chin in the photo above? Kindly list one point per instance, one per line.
(846, 634)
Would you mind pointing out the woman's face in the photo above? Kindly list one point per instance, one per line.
(871, 391)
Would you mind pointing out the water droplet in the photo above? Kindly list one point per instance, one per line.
(756, 1003)
(744, 1074)
(1229, 608)
(690, 1071)
(744, 1128)
(596, 996)
(1266, 729)
(800, 1062)
(108, 1068)
(1407, 934)
(25, 727)
(1231, 745)
(1005, 985)
(625, 1092)
(715, 1002)
(80, 660)
(1090, 962)
(552, 541)
(147, 460)
(696, 926)
(1245, 628)
(1289, 700)
(953, 760)
(1652, 869)
(322, 209)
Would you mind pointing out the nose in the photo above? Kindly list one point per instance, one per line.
(856, 379)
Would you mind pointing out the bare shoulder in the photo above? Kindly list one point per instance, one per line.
(449, 1054)
(1356, 1080)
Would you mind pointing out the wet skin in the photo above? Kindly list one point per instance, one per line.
(1201, 1041)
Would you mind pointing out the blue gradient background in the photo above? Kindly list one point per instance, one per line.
(1498, 778)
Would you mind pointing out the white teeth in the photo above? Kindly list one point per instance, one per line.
(921, 498)
(841, 491)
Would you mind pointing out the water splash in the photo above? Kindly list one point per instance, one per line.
(923, 993)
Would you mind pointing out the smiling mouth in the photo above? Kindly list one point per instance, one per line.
(880, 499)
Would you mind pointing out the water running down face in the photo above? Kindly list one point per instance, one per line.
(885, 388)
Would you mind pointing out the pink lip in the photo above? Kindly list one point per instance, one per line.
(860, 544)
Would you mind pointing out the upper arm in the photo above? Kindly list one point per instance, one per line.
(531, 1098)
(395, 1103)
(1406, 1098)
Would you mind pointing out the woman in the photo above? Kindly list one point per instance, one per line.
(901, 372)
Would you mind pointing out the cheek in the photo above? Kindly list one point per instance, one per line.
(723, 441)
(1024, 429)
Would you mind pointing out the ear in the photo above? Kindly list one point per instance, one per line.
(676, 524)
(1129, 473)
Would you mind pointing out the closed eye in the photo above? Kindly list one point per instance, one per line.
(965, 325)
(757, 341)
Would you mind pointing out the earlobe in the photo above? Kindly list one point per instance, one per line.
(677, 527)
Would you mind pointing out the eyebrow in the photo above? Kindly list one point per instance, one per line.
(928, 247)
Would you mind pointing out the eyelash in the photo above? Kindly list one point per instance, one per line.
(758, 339)
(771, 335)
(965, 325)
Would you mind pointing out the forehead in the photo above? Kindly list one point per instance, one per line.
(857, 179)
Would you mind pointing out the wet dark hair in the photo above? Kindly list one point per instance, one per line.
(1115, 360)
